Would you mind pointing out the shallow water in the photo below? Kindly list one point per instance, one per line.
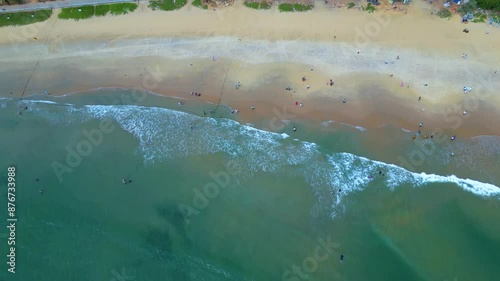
(212, 199)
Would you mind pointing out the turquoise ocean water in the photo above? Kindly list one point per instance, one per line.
(214, 199)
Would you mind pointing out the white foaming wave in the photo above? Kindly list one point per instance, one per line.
(352, 173)
(66, 114)
(362, 168)
(166, 134)
(327, 123)
(263, 150)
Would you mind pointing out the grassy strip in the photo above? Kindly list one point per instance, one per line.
(258, 5)
(77, 13)
(101, 10)
(86, 12)
(24, 18)
(121, 8)
(294, 7)
(197, 3)
(166, 5)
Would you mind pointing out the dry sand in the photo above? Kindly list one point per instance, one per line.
(268, 50)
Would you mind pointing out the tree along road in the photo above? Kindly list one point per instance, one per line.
(59, 4)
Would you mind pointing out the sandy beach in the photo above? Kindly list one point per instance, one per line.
(380, 63)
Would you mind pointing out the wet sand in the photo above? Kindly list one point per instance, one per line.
(267, 51)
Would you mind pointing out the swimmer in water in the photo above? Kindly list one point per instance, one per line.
(294, 129)
(341, 257)
(124, 181)
(344, 100)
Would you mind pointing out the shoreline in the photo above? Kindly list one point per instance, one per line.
(267, 51)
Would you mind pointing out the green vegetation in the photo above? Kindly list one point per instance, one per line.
(479, 17)
(166, 5)
(121, 8)
(101, 10)
(85, 12)
(294, 7)
(263, 5)
(370, 8)
(24, 18)
(492, 5)
(496, 18)
(77, 13)
(477, 8)
(444, 13)
(197, 3)
(467, 8)
(350, 5)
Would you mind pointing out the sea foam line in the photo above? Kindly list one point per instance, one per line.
(260, 150)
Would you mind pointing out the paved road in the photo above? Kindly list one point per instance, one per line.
(58, 4)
